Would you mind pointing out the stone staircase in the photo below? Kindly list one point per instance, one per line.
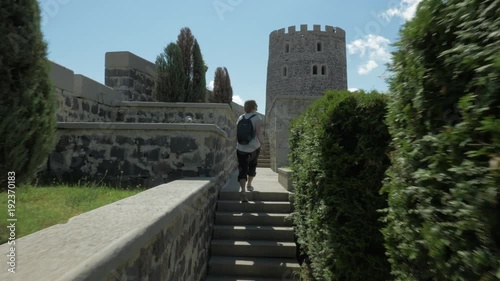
(264, 160)
(253, 241)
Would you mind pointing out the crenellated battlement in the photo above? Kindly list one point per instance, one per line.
(306, 29)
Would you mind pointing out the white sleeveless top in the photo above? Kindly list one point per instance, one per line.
(254, 143)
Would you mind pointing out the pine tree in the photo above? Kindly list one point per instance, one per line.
(199, 70)
(223, 92)
(171, 77)
(27, 104)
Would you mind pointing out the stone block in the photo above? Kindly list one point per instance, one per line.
(61, 77)
(127, 60)
(87, 88)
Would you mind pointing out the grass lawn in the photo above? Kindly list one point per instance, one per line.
(40, 207)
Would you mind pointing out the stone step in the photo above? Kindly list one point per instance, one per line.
(237, 218)
(253, 248)
(264, 160)
(254, 206)
(264, 166)
(255, 196)
(251, 232)
(252, 267)
(232, 278)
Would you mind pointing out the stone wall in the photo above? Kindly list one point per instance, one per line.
(132, 76)
(81, 99)
(282, 112)
(124, 154)
(162, 233)
(92, 151)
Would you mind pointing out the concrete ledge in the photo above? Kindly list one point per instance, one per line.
(93, 90)
(285, 178)
(127, 60)
(61, 77)
(93, 245)
(140, 126)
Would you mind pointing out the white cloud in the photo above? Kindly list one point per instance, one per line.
(353, 89)
(405, 10)
(238, 100)
(367, 68)
(375, 47)
(211, 85)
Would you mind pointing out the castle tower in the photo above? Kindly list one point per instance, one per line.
(302, 65)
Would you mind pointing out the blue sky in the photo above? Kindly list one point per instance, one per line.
(231, 33)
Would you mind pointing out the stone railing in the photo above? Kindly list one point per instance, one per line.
(162, 233)
(131, 154)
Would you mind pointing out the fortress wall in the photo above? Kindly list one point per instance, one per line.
(103, 137)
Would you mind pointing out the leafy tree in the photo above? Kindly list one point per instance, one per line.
(171, 77)
(444, 115)
(199, 69)
(27, 103)
(223, 92)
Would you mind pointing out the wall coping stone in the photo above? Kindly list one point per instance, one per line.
(91, 245)
(172, 104)
(61, 77)
(90, 89)
(128, 60)
(140, 126)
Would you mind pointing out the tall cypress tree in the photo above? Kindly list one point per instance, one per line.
(199, 70)
(27, 104)
(185, 41)
(171, 77)
(223, 92)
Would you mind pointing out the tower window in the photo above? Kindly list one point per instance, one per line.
(315, 70)
(287, 48)
(285, 71)
(319, 47)
(323, 70)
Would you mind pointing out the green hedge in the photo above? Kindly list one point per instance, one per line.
(339, 157)
(27, 105)
(444, 117)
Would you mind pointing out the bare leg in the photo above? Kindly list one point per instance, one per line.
(250, 179)
(243, 196)
(242, 185)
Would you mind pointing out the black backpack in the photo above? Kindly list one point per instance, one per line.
(245, 131)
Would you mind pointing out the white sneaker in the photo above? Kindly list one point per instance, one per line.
(250, 188)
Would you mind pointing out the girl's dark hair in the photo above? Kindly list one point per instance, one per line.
(250, 105)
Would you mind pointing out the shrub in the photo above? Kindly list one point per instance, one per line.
(338, 155)
(444, 115)
(27, 104)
